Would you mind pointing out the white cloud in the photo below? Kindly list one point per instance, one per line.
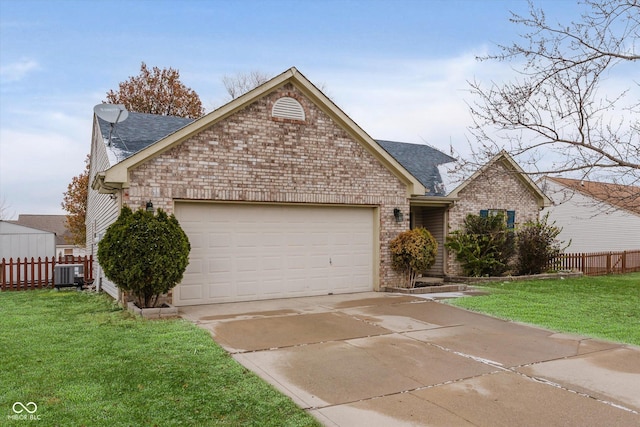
(37, 163)
(16, 71)
(413, 100)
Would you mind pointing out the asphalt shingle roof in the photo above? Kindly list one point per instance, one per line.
(138, 131)
(51, 223)
(421, 161)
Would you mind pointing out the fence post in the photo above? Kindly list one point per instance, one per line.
(32, 280)
(53, 272)
(18, 274)
(2, 281)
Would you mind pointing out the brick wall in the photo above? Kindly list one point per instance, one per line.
(497, 188)
(250, 156)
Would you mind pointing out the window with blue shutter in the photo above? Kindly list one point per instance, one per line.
(511, 220)
(510, 216)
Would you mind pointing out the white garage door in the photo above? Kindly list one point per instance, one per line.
(243, 252)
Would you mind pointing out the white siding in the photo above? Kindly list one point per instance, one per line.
(589, 226)
(102, 211)
(17, 241)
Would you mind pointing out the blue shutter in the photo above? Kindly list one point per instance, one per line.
(484, 213)
(511, 220)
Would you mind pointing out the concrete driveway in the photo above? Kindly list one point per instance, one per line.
(375, 359)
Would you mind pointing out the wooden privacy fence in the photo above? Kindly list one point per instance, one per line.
(598, 263)
(35, 274)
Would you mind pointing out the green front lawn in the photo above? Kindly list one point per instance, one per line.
(605, 307)
(83, 361)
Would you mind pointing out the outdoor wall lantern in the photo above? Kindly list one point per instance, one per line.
(397, 214)
(149, 206)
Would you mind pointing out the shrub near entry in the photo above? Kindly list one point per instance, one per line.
(413, 252)
(144, 254)
(484, 246)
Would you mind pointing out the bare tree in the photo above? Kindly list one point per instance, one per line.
(555, 117)
(4, 209)
(242, 83)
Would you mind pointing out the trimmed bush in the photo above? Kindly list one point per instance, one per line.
(144, 254)
(413, 252)
(484, 246)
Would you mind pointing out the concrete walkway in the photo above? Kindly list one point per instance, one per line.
(375, 359)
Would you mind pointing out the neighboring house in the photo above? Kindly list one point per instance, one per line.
(281, 194)
(55, 224)
(19, 242)
(594, 216)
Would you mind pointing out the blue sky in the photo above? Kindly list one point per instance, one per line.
(398, 68)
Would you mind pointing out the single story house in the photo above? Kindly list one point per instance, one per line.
(281, 194)
(594, 216)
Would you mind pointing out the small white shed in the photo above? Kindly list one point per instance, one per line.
(18, 241)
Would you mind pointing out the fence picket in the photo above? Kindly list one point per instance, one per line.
(598, 263)
(31, 274)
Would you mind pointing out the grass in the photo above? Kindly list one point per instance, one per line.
(606, 307)
(85, 362)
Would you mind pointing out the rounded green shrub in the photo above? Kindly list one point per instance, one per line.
(144, 254)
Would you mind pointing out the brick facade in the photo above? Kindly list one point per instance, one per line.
(252, 157)
(498, 187)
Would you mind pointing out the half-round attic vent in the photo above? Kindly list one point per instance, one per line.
(288, 108)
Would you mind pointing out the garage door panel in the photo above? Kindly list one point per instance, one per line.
(219, 240)
(220, 292)
(247, 287)
(273, 239)
(296, 239)
(318, 261)
(193, 292)
(198, 241)
(217, 265)
(272, 264)
(296, 262)
(361, 260)
(318, 239)
(262, 251)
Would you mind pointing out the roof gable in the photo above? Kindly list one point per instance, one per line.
(510, 164)
(117, 176)
(620, 196)
(421, 161)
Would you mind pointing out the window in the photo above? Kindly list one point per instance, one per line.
(510, 216)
